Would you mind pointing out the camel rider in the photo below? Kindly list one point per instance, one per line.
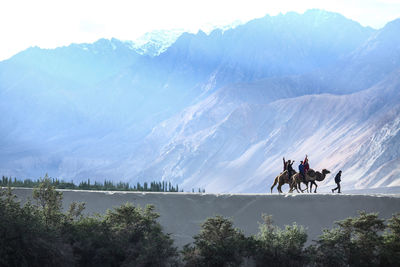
(284, 164)
(301, 170)
(290, 168)
(306, 165)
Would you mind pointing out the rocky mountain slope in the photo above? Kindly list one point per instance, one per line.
(215, 111)
(227, 142)
(235, 138)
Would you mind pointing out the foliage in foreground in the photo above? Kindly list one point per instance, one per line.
(220, 244)
(40, 234)
(217, 244)
(280, 247)
(360, 241)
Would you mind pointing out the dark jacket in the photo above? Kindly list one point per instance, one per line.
(337, 177)
(301, 168)
(289, 167)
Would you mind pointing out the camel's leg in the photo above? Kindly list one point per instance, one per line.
(306, 186)
(275, 182)
(299, 186)
(302, 190)
(293, 186)
(279, 188)
(313, 182)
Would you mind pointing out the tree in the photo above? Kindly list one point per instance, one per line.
(280, 247)
(391, 242)
(138, 233)
(333, 248)
(217, 244)
(355, 242)
(25, 239)
(42, 235)
(49, 200)
(75, 211)
(92, 242)
(124, 236)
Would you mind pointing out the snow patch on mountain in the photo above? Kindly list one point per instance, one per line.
(155, 42)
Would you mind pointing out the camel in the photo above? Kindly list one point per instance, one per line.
(282, 179)
(311, 177)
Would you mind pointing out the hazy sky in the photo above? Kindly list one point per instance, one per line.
(52, 23)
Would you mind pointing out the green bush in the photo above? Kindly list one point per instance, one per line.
(49, 203)
(280, 247)
(391, 242)
(354, 242)
(25, 239)
(42, 235)
(125, 236)
(217, 244)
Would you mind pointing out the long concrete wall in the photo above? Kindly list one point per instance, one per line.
(182, 213)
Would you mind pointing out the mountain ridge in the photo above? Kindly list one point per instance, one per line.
(215, 111)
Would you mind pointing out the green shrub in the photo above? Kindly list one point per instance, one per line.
(217, 244)
(125, 236)
(42, 235)
(280, 247)
(391, 242)
(354, 242)
(25, 239)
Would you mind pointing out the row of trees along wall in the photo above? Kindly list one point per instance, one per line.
(87, 185)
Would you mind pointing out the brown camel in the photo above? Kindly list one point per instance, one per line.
(282, 179)
(311, 177)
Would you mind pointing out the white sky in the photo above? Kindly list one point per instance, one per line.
(52, 23)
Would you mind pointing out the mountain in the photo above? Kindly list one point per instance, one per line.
(156, 42)
(224, 142)
(366, 65)
(287, 44)
(80, 63)
(235, 138)
(216, 111)
(197, 64)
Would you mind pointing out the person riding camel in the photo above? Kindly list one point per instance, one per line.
(284, 164)
(290, 168)
(301, 171)
(306, 165)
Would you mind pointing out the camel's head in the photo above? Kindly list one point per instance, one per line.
(325, 171)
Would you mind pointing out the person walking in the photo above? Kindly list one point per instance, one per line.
(337, 181)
